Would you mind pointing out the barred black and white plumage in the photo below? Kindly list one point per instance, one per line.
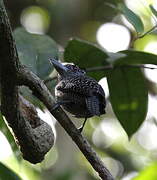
(78, 94)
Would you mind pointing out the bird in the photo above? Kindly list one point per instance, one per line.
(78, 93)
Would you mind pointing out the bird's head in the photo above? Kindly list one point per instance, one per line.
(66, 70)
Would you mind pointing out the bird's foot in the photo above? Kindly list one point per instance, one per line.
(58, 104)
(81, 128)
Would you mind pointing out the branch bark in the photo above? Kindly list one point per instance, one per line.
(12, 75)
(27, 78)
(34, 141)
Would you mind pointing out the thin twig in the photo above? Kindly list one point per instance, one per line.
(148, 32)
(137, 66)
(99, 68)
(109, 67)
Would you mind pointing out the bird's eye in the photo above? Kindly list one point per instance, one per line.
(75, 69)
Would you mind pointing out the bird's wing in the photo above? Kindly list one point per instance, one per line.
(82, 85)
(87, 88)
(92, 103)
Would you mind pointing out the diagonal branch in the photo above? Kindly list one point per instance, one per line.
(27, 78)
(12, 75)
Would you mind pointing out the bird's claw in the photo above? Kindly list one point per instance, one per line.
(55, 106)
(80, 129)
(58, 104)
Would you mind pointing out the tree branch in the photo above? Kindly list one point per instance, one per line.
(34, 141)
(12, 75)
(27, 78)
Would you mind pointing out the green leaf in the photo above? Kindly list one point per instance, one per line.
(7, 174)
(133, 18)
(5, 130)
(133, 57)
(149, 173)
(153, 10)
(128, 91)
(129, 97)
(35, 50)
(127, 85)
(86, 55)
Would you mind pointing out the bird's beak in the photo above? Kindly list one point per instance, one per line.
(60, 68)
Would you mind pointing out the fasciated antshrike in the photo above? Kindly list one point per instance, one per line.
(77, 93)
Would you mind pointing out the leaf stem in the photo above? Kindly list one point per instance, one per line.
(109, 67)
(148, 32)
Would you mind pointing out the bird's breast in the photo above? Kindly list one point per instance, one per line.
(75, 103)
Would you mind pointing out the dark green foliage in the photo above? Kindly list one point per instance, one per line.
(128, 91)
(86, 55)
(35, 50)
(129, 97)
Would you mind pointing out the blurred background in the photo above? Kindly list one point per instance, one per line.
(96, 21)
